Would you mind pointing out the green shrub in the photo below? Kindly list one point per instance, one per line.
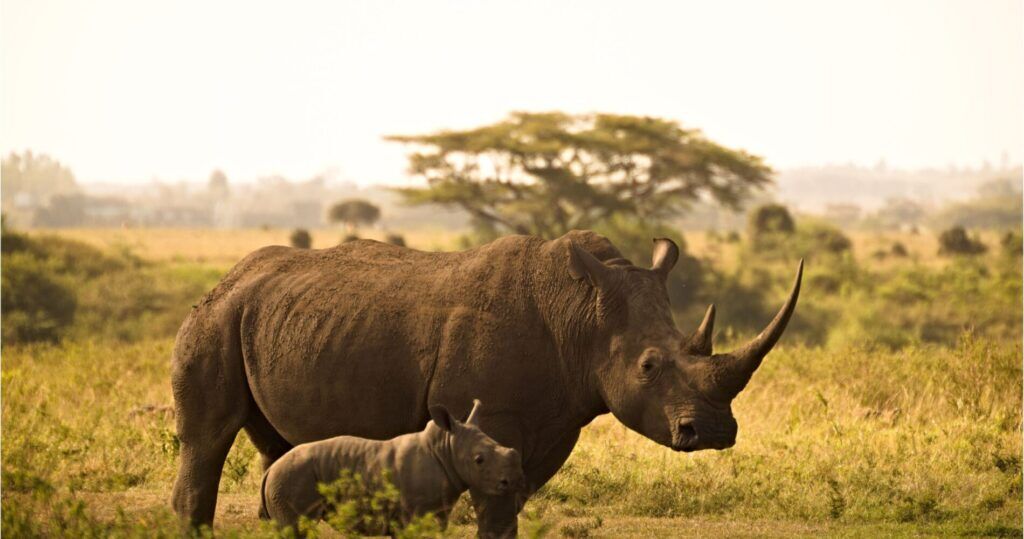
(37, 301)
(146, 302)
(55, 287)
(358, 506)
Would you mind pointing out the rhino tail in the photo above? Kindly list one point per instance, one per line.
(264, 515)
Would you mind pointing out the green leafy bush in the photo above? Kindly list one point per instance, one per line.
(358, 506)
(54, 287)
(38, 303)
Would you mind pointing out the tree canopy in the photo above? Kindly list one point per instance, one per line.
(37, 174)
(354, 212)
(548, 173)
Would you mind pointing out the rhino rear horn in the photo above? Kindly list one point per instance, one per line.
(700, 343)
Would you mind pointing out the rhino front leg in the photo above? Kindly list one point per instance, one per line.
(496, 516)
(540, 472)
(195, 489)
(211, 404)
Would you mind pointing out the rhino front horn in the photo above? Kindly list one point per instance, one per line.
(742, 363)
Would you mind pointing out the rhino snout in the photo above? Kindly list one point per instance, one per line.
(688, 435)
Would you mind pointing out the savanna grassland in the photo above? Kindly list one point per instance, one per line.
(891, 407)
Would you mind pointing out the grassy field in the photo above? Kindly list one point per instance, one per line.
(847, 437)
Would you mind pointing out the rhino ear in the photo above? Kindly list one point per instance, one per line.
(665, 256)
(583, 265)
(441, 417)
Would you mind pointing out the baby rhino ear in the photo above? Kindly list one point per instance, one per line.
(441, 417)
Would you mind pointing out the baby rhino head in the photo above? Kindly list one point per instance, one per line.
(481, 462)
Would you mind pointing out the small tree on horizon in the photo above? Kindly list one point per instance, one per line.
(353, 212)
(217, 185)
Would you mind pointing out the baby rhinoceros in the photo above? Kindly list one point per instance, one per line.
(430, 469)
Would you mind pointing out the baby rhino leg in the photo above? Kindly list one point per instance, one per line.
(289, 496)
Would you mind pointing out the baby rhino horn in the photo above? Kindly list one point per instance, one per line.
(474, 414)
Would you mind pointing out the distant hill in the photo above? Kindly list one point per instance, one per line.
(812, 189)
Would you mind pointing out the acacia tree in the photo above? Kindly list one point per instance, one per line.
(548, 173)
(354, 212)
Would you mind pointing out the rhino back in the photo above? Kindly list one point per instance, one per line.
(347, 340)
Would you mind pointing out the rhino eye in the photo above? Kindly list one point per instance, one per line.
(479, 459)
(649, 363)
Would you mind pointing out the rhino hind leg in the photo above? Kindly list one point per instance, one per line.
(211, 399)
(270, 444)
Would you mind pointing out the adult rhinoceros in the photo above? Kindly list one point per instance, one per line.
(360, 339)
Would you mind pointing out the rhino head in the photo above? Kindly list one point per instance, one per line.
(665, 385)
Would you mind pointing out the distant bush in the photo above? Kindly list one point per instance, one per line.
(822, 237)
(1011, 243)
(349, 237)
(396, 239)
(998, 204)
(809, 239)
(301, 239)
(955, 241)
(769, 219)
(899, 250)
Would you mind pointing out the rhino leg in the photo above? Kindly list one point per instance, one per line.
(496, 516)
(540, 472)
(265, 437)
(211, 399)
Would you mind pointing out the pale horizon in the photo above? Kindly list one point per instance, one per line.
(127, 93)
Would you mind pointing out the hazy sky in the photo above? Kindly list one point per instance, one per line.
(128, 91)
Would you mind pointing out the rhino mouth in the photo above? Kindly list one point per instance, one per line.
(685, 437)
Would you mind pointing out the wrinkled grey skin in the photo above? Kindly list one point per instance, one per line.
(551, 333)
(430, 469)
